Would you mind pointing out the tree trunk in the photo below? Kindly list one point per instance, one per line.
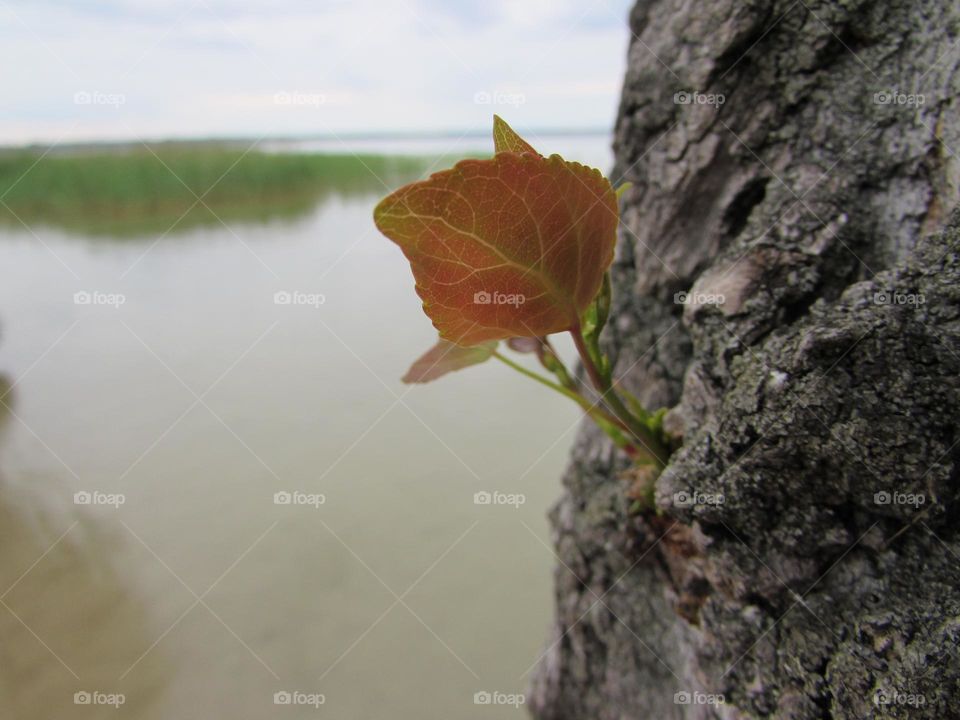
(805, 560)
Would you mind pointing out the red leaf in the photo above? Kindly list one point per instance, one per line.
(513, 246)
(445, 357)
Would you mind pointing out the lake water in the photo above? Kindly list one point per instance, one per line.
(197, 400)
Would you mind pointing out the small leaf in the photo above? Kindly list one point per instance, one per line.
(445, 357)
(623, 188)
(595, 317)
(513, 246)
(505, 138)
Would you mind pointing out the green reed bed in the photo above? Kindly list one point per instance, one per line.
(135, 191)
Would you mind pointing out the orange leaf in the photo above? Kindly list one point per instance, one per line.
(505, 139)
(513, 246)
(445, 357)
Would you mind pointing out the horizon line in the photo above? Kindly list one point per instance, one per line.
(331, 137)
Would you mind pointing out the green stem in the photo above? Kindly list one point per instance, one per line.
(578, 399)
(651, 445)
(610, 424)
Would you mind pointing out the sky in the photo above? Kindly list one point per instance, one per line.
(78, 70)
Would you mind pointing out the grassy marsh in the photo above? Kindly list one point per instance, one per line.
(134, 191)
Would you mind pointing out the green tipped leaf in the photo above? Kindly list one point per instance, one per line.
(505, 138)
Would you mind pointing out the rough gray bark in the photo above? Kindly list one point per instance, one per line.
(828, 374)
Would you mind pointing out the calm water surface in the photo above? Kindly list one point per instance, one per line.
(200, 398)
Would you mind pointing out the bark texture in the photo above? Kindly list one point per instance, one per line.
(806, 563)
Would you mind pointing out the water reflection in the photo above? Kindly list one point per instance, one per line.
(7, 397)
(70, 620)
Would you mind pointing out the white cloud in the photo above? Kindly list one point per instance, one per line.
(213, 67)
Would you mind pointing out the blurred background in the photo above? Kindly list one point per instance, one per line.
(216, 497)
